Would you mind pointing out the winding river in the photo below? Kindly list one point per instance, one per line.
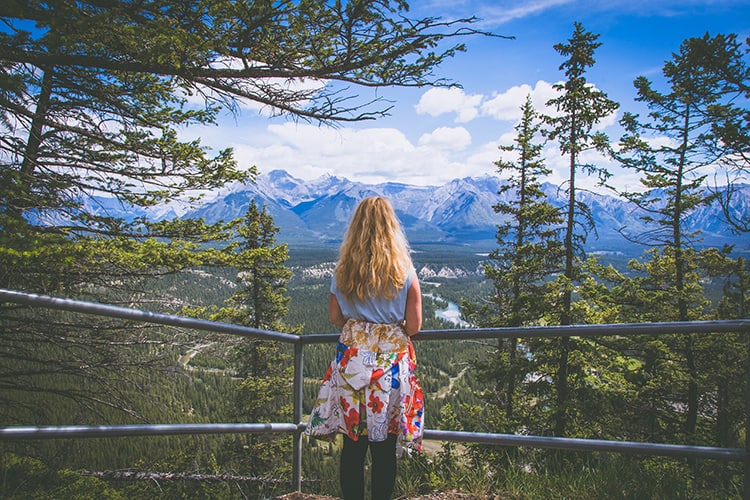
(450, 313)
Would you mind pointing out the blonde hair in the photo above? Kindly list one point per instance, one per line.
(374, 258)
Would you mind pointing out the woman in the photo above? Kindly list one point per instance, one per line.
(370, 393)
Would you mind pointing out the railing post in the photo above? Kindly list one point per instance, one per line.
(297, 395)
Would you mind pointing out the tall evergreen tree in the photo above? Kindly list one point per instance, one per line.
(723, 57)
(727, 354)
(260, 301)
(674, 173)
(664, 374)
(580, 107)
(529, 251)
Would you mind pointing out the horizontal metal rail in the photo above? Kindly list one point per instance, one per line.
(578, 444)
(98, 431)
(618, 329)
(614, 329)
(571, 444)
(32, 299)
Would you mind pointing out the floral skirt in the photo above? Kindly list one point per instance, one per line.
(370, 388)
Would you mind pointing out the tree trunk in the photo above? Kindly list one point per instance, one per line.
(31, 155)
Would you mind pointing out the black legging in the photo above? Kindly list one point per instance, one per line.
(352, 473)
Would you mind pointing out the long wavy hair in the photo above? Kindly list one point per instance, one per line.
(374, 259)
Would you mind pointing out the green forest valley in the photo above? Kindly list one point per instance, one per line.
(193, 377)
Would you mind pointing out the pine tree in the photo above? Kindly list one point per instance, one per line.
(673, 172)
(265, 368)
(722, 57)
(580, 107)
(529, 250)
(260, 301)
(727, 353)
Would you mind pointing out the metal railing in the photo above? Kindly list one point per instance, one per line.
(299, 341)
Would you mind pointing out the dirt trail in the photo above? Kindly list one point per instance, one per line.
(185, 358)
(445, 390)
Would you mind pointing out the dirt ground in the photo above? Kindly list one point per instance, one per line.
(432, 496)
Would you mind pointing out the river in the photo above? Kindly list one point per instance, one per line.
(451, 313)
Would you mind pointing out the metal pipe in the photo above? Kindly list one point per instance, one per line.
(140, 315)
(578, 444)
(96, 431)
(615, 329)
(622, 329)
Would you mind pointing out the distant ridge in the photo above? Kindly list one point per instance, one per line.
(458, 213)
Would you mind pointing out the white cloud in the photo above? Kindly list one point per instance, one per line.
(438, 101)
(367, 153)
(507, 106)
(371, 155)
(484, 157)
(447, 138)
(503, 13)
(607, 121)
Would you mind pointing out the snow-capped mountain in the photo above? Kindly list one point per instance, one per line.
(459, 212)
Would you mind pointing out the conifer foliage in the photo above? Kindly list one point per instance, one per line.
(529, 250)
(693, 114)
(264, 367)
(665, 388)
(580, 107)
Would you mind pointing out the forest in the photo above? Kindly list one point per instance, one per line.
(87, 108)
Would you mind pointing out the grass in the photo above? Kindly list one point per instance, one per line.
(541, 475)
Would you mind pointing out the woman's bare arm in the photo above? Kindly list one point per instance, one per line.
(413, 314)
(335, 315)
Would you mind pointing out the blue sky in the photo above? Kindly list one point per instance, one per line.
(436, 135)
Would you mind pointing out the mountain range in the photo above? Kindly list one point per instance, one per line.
(458, 213)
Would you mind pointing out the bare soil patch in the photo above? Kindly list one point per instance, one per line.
(432, 496)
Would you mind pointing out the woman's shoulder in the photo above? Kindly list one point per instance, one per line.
(411, 275)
